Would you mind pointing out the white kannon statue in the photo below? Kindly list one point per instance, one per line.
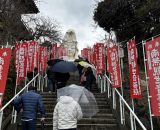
(70, 44)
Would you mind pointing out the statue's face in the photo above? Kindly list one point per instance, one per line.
(71, 49)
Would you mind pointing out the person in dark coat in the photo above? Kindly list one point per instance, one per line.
(51, 80)
(80, 68)
(29, 103)
(61, 79)
(89, 78)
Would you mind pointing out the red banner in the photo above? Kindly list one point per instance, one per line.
(21, 52)
(5, 56)
(31, 56)
(16, 55)
(42, 53)
(45, 58)
(135, 87)
(36, 55)
(153, 70)
(95, 54)
(114, 66)
(89, 55)
(54, 50)
(84, 53)
(100, 58)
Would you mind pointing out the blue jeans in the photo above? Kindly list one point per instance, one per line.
(29, 125)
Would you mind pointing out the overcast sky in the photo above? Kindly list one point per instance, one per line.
(76, 15)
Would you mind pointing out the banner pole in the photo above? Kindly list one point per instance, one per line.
(133, 117)
(26, 67)
(14, 114)
(123, 113)
(149, 105)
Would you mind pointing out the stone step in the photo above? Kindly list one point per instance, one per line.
(48, 95)
(100, 110)
(95, 94)
(99, 106)
(81, 127)
(98, 115)
(86, 121)
(54, 103)
(55, 99)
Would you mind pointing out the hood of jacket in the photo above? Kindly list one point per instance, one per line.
(65, 99)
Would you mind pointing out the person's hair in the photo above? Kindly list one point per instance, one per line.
(32, 88)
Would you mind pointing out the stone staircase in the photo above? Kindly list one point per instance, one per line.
(103, 120)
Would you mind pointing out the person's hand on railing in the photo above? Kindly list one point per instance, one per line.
(42, 119)
(21, 110)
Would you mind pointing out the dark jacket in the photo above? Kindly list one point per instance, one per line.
(50, 74)
(31, 103)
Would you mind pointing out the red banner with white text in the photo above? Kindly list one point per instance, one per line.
(31, 56)
(153, 70)
(95, 54)
(21, 54)
(100, 58)
(54, 51)
(114, 66)
(135, 86)
(5, 56)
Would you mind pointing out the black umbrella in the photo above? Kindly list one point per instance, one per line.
(53, 61)
(64, 67)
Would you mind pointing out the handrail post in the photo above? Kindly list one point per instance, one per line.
(108, 89)
(131, 119)
(39, 82)
(114, 98)
(121, 115)
(46, 81)
(101, 84)
(15, 116)
(104, 83)
(1, 117)
(12, 118)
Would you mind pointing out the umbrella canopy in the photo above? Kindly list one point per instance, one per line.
(84, 97)
(53, 61)
(64, 67)
(86, 65)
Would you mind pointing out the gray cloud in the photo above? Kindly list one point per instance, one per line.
(74, 14)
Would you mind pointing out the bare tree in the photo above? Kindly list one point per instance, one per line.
(43, 28)
(16, 24)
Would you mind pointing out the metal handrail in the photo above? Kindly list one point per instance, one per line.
(131, 111)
